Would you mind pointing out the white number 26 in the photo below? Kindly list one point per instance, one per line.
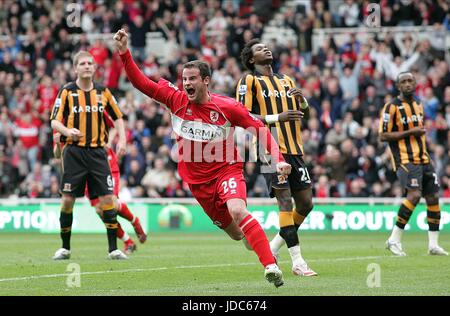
(230, 184)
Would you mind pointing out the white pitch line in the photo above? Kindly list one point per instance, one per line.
(46, 276)
(350, 259)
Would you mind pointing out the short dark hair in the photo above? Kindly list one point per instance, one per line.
(247, 54)
(205, 71)
(402, 73)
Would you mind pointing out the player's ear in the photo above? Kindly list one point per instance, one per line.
(206, 80)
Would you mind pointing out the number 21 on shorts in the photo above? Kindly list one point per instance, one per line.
(229, 185)
(305, 175)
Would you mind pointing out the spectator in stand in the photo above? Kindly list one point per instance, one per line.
(431, 104)
(27, 130)
(349, 13)
(322, 187)
(157, 178)
(99, 52)
(138, 28)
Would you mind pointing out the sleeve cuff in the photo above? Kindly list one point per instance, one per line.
(125, 54)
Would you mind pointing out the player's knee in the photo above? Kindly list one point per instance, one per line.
(432, 199)
(67, 203)
(106, 200)
(237, 210)
(285, 203)
(414, 197)
(238, 213)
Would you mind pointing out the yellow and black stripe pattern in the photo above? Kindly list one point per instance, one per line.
(404, 213)
(397, 116)
(433, 217)
(266, 95)
(83, 110)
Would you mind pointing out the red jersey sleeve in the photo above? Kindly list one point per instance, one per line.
(238, 115)
(108, 120)
(163, 91)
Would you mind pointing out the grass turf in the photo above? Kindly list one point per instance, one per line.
(180, 264)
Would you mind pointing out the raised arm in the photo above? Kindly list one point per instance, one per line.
(134, 74)
(163, 91)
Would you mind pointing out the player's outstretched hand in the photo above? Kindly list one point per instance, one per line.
(121, 41)
(284, 168)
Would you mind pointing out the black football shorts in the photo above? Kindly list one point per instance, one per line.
(420, 177)
(83, 166)
(298, 180)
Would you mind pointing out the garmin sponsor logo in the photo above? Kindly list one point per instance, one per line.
(200, 133)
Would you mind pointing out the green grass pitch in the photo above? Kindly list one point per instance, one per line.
(180, 264)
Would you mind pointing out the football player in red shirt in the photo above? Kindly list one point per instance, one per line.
(208, 158)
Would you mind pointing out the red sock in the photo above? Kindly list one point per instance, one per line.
(257, 239)
(125, 212)
(120, 231)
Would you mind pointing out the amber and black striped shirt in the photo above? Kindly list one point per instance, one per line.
(398, 116)
(83, 110)
(266, 95)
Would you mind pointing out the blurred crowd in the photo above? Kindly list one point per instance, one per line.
(346, 84)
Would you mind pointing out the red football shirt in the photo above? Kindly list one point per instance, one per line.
(112, 158)
(204, 132)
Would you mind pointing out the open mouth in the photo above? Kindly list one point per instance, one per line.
(190, 92)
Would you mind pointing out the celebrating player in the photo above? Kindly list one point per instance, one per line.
(208, 159)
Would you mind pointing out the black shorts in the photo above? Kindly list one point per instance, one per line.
(86, 165)
(298, 180)
(421, 177)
